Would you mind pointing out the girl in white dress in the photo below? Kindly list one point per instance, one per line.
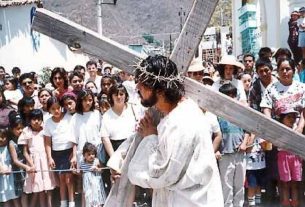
(7, 189)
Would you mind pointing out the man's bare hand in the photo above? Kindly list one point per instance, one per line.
(146, 126)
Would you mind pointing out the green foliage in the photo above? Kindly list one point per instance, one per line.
(45, 75)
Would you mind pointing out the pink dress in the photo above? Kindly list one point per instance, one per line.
(39, 181)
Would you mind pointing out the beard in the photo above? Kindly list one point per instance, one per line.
(151, 101)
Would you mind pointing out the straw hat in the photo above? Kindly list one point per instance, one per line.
(196, 65)
(209, 78)
(229, 60)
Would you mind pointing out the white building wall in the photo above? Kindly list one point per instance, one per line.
(273, 17)
(17, 47)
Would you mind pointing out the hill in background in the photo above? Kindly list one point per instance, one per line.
(136, 21)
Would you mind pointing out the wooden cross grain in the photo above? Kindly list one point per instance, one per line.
(90, 42)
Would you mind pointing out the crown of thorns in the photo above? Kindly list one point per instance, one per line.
(146, 76)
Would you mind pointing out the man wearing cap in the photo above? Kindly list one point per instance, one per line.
(301, 25)
(227, 68)
(169, 154)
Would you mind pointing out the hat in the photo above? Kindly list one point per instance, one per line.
(229, 60)
(206, 77)
(196, 65)
(302, 9)
(295, 13)
(289, 110)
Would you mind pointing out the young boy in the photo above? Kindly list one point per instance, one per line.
(232, 164)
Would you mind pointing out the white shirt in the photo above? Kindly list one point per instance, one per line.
(60, 133)
(179, 164)
(14, 95)
(86, 127)
(119, 127)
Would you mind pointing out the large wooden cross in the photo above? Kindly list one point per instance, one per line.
(90, 42)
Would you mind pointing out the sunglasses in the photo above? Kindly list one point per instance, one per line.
(27, 82)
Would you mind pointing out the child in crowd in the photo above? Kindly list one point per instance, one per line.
(25, 105)
(289, 165)
(246, 79)
(5, 109)
(43, 96)
(34, 152)
(232, 164)
(16, 152)
(255, 173)
(60, 149)
(93, 186)
(68, 101)
(90, 85)
(8, 196)
(12, 93)
(104, 105)
(86, 123)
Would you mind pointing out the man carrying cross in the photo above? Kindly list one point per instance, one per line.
(175, 158)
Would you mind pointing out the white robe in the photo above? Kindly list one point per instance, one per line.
(179, 164)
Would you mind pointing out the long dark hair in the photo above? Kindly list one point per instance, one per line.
(80, 97)
(63, 73)
(115, 89)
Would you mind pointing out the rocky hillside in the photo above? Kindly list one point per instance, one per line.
(136, 21)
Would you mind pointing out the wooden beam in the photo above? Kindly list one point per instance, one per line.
(245, 117)
(84, 40)
(192, 32)
(91, 43)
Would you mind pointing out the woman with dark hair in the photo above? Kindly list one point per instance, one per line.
(4, 111)
(227, 68)
(76, 80)
(119, 122)
(59, 80)
(285, 94)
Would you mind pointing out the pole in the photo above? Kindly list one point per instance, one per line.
(99, 17)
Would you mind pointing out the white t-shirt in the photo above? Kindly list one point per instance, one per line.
(118, 127)
(212, 120)
(60, 133)
(14, 95)
(241, 94)
(86, 127)
(256, 158)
